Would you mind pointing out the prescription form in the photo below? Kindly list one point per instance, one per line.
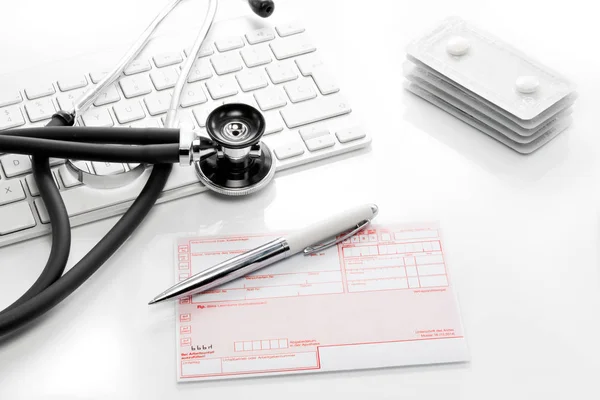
(381, 298)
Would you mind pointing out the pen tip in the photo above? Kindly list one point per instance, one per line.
(153, 301)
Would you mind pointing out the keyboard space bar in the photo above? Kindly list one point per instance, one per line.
(81, 199)
(315, 110)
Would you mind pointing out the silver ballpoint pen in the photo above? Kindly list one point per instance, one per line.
(324, 233)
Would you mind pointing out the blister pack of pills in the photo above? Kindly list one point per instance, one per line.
(489, 85)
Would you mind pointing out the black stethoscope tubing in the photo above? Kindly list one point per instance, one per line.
(156, 146)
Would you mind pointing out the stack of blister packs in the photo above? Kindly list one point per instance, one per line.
(489, 85)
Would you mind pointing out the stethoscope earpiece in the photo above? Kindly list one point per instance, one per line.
(241, 164)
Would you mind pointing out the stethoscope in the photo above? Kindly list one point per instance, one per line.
(232, 160)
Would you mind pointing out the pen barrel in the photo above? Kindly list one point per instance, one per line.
(232, 268)
(330, 227)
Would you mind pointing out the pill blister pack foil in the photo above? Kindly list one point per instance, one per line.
(489, 85)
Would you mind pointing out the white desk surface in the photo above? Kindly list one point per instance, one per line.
(521, 232)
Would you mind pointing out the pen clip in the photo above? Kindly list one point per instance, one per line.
(333, 241)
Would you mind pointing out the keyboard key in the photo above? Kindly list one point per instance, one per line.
(8, 98)
(241, 98)
(184, 118)
(108, 96)
(291, 47)
(273, 122)
(313, 132)
(230, 43)
(66, 100)
(56, 161)
(40, 109)
(72, 83)
(32, 185)
(256, 55)
(300, 91)
(282, 72)
(97, 76)
(15, 164)
(205, 51)
(158, 102)
(128, 111)
(136, 85)
(107, 168)
(251, 79)
(11, 191)
(350, 134)
(226, 63)
(308, 62)
(11, 117)
(324, 81)
(289, 150)
(15, 217)
(320, 142)
(222, 87)
(200, 70)
(164, 78)
(315, 110)
(260, 35)
(68, 179)
(193, 95)
(146, 123)
(137, 66)
(201, 115)
(270, 98)
(166, 59)
(35, 92)
(97, 117)
(289, 29)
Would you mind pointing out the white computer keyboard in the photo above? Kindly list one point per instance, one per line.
(274, 68)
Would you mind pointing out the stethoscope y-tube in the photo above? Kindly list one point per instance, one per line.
(160, 147)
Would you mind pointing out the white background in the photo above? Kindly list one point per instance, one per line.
(521, 233)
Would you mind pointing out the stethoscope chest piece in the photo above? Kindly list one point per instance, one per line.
(241, 164)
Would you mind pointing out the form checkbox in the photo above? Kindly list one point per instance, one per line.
(185, 330)
(185, 300)
(256, 345)
(274, 344)
(238, 346)
(183, 276)
(265, 344)
(283, 343)
(184, 265)
(247, 346)
(185, 317)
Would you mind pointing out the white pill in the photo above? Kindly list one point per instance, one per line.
(527, 84)
(458, 46)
